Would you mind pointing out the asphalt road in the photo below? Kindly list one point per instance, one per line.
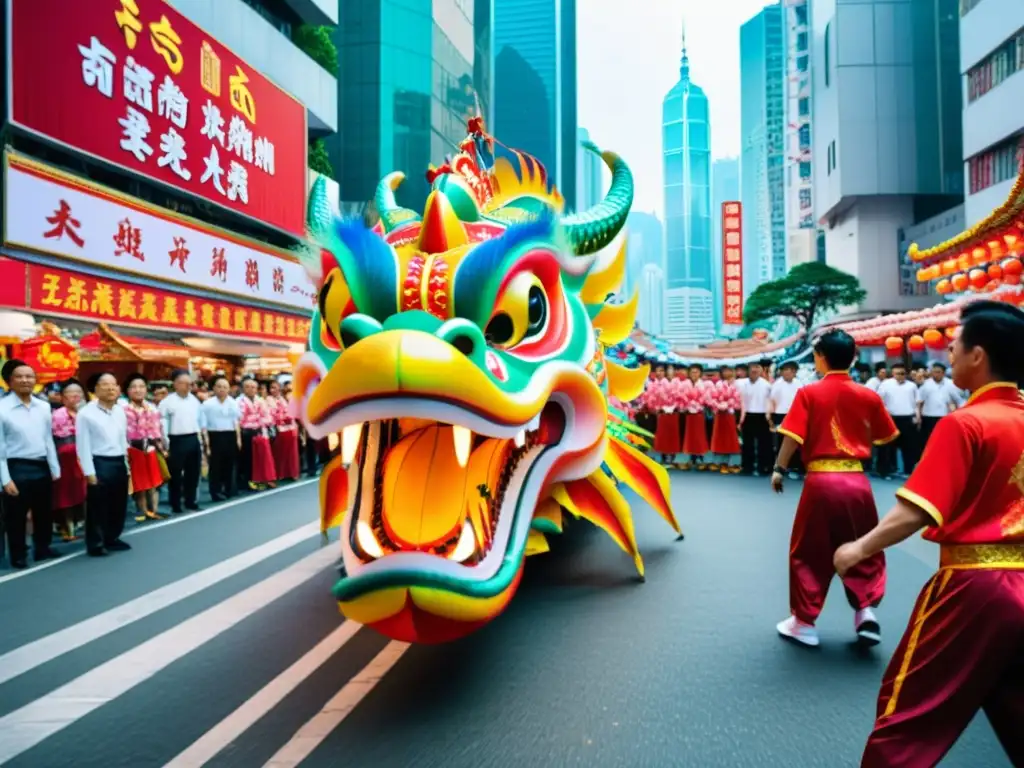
(215, 641)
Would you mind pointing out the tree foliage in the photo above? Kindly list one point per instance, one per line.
(316, 43)
(318, 160)
(808, 290)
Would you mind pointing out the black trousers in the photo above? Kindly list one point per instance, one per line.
(907, 445)
(757, 443)
(223, 460)
(184, 462)
(106, 503)
(35, 494)
(796, 464)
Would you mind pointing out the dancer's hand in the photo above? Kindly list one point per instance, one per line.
(847, 556)
(777, 479)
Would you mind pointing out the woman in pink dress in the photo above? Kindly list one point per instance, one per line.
(726, 402)
(663, 400)
(285, 444)
(695, 440)
(145, 439)
(256, 421)
(69, 491)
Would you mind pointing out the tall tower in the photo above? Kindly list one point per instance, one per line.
(686, 150)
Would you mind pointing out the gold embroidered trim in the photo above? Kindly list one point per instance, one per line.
(983, 556)
(835, 465)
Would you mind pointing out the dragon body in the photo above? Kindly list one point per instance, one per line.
(460, 354)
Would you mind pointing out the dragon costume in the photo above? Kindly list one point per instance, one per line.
(460, 354)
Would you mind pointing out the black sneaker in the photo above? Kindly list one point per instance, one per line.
(118, 546)
(98, 552)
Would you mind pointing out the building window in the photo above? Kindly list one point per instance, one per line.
(1002, 63)
(828, 54)
(805, 107)
(996, 165)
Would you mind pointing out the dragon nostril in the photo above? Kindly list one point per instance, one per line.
(348, 338)
(464, 343)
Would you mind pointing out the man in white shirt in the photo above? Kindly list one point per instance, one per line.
(181, 418)
(900, 397)
(222, 437)
(754, 424)
(780, 399)
(881, 375)
(101, 442)
(936, 397)
(28, 465)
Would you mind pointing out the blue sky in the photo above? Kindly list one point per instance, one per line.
(628, 53)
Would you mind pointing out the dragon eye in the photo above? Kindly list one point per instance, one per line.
(521, 314)
(500, 330)
(537, 310)
(335, 303)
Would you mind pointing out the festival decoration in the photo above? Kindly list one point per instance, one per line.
(916, 343)
(934, 338)
(894, 345)
(52, 357)
(463, 356)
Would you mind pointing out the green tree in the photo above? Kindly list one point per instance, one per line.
(316, 43)
(808, 290)
(318, 160)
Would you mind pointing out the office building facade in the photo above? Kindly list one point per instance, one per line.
(589, 174)
(646, 245)
(414, 72)
(650, 314)
(535, 85)
(992, 63)
(881, 171)
(686, 152)
(762, 138)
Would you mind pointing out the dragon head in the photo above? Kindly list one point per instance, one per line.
(460, 355)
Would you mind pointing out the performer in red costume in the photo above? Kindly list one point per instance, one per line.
(835, 422)
(695, 393)
(663, 400)
(725, 400)
(964, 647)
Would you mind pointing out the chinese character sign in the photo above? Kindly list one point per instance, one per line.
(53, 291)
(136, 84)
(50, 212)
(732, 261)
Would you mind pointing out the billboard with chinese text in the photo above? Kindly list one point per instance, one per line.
(51, 212)
(64, 293)
(136, 84)
(732, 262)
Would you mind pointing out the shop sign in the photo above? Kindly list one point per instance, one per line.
(74, 295)
(732, 261)
(136, 84)
(51, 212)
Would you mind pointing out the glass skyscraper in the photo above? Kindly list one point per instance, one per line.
(589, 175)
(535, 85)
(762, 138)
(412, 72)
(689, 316)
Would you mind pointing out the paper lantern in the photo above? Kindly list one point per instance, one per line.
(1012, 266)
(978, 279)
(944, 287)
(960, 282)
(995, 271)
(934, 338)
(996, 249)
(948, 266)
(979, 256)
(929, 273)
(915, 343)
(951, 332)
(1012, 242)
(894, 345)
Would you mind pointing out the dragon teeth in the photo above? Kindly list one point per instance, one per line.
(520, 439)
(350, 442)
(534, 424)
(463, 439)
(466, 546)
(367, 541)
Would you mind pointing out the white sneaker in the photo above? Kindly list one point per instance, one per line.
(866, 625)
(798, 631)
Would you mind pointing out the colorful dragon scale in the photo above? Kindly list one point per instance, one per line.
(461, 355)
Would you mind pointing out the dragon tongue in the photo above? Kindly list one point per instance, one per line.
(427, 494)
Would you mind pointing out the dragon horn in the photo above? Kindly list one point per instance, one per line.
(318, 210)
(391, 214)
(592, 230)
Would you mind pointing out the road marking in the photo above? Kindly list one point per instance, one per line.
(37, 721)
(320, 726)
(153, 526)
(272, 694)
(38, 652)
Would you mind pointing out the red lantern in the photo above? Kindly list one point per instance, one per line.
(915, 343)
(894, 345)
(1011, 241)
(944, 287)
(978, 279)
(960, 282)
(949, 266)
(995, 249)
(951, 332)
(995, 271)
(1012, 266)
(934, 339)
(979, 256)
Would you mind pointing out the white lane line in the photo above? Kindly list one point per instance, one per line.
(38, 652)
(273, 693)
(37, 721)
(320, 726)
(153, 526)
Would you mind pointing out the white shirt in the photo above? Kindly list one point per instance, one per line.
(180, 415)
(936, 397)
(899, 399)
(755, 395)
(873, 383)
(216, 416)
(99, 432)
(26, 432)
(782, 394)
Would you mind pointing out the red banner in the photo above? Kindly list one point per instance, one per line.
(75, 295)
(136, 84)
(732, 261)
